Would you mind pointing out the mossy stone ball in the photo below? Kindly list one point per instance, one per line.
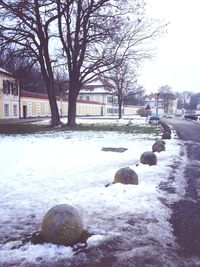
(62, 225)
(158, 146)
(126, 176)
(166, 135)
(148, 158)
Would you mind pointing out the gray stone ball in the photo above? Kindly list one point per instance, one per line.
(158, 146)
(149, 158)
(62, 225)
(126, 176)
(160, 141)
(166, 135)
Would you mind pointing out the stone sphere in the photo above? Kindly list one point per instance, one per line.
(160, 141)
(126, 176)
(167, 129)
(166, 135)
(149, 158)
(62, 225)
(158, 146)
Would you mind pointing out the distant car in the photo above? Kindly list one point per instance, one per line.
(168, 116)
(191, 117)
(153, 117)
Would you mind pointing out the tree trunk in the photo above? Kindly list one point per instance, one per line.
(55, 117)
(74, 88)
(47, 75)
(72, 107)
(120, 108)
(72, 110)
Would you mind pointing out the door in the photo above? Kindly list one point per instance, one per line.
(24, 112)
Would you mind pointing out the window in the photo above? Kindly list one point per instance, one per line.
(29, 109)
(112, 110)
(38, 109)
(110, 99)
(115, 100)
(6, 109)
(14, 88)
(109, 110)
(81, 97)
(14, 110)
(6, 87)
(46, 109)
(87, 97)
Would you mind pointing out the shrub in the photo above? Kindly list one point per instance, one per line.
(143, 112)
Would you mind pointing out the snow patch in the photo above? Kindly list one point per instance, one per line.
(42, 170)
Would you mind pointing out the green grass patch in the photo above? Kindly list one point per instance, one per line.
(23, 128)
(30, 128)
(134, 129)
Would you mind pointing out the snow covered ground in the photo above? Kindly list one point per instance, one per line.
(129, 223)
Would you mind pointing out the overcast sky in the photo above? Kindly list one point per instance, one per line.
(177, 61)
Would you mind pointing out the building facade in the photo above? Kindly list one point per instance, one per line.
(9, 95)
(96, 98)
(156, 104)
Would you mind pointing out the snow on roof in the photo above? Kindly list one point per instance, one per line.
(97, 85)
(5, 71)
(99, 89)
(99, 81)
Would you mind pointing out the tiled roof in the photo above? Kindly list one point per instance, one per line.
(33, 95)
(25, 93)
(45, 96)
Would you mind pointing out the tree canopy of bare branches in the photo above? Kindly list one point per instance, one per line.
(95, 34)
(123, 77)
(91, 35)
(26, 26)
(165, 93)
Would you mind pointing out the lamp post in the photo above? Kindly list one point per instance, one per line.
(61, 99)
(157, 96)
(19, 98)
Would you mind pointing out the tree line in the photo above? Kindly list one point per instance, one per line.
(185, 100)
(78, 40)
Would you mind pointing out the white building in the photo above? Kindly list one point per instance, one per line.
(96, 98)
(157, 105)
(9, 95)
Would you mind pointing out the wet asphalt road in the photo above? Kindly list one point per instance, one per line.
(186, 213)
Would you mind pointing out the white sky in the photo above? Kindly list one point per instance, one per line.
(177, 61)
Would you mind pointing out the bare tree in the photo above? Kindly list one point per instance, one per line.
(166, 94)
(124, 80)
(194, 101)
(16, 62)
(136, 96)
(25, 24)
(186, 96)
(95, 33)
